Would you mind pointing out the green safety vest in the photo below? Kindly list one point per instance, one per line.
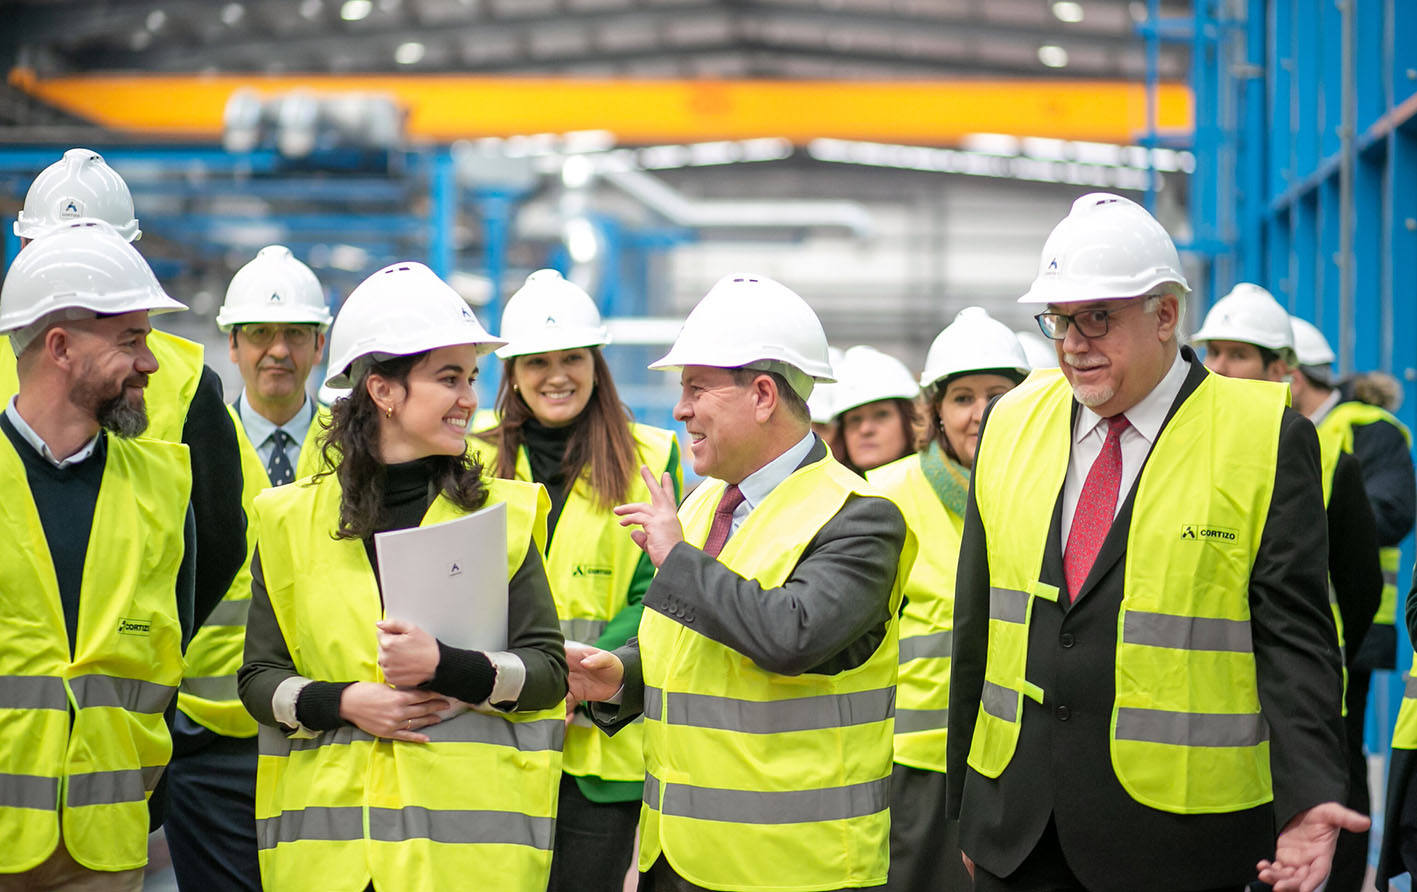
(208, 693)
(1187, 733)
(85, 738)
(169, 392)
(927, 620)
(590, 564)
(1336, 432)
(760, 781)
(338, 810)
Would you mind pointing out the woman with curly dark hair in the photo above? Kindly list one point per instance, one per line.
(373, 772)
(563, 425)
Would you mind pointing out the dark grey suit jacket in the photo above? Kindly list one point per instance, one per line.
(829, 616)
(1062, 769)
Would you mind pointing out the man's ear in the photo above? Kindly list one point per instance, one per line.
(1168, 316)
(765, 397)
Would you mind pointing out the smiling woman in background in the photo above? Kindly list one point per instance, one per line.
(874, 401)
(563, 426)
(972, 361)
(361, 784)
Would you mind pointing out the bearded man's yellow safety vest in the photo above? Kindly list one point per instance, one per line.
(754, 780)
(1187, 732)
(84, 738)
(169, 392)
(590, 565)
(927, 620)
(1336, 433)
(333, 812)
(208, 693)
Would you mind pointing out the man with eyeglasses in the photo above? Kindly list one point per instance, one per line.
(275, 317)
(1146, 685)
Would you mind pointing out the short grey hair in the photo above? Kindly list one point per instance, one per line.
(1152, 300)
(22, 338)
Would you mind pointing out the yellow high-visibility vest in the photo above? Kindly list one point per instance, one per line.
(927, 620)
(1188, 735)
(754, 780)
(1404, 734)
(208, 693)
(338, 810)
(94, 772)
(590, 565)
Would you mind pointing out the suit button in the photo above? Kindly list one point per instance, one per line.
(1063, 713)
(1066, 639)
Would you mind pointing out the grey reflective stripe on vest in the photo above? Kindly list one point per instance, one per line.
(1186, 632)
(1390, 578)
(1410, 691)
(917, 647)
(311, 822)
(32, 692)
(777, 716)
(909, 721)
(468, 727)
(654, 704)
(460, 827)
(586, 631)
(1191, 728)
(1008, 605)
(29, 791)
(229, 613)
(107, 787)
(132, 694)
(651, 793)
(787, 807)
(999, 701)
(212, 687)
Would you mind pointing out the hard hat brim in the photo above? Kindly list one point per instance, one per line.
(553, 341)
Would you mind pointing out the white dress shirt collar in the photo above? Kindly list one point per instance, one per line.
(1147, 416)
(1325, 407)
(756, 486)
(28, 434)
(259, 428)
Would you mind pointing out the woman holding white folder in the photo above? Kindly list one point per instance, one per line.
(361, 784)
(563, 425)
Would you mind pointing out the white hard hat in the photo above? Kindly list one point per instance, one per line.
(549, 313)
(974, 342)
(1106, 248)
(274, 287)
(821, 404)
(402, 309)
(81, 184)
(866, 375)
(1039, 351)
(752, 321)
(1251, 315)
(86, 267)
(1310, 343)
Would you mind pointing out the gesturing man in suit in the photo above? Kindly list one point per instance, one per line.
(765, 662)
(1146, 682)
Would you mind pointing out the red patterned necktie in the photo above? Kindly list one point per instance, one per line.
(1097, 504)
(722, 520)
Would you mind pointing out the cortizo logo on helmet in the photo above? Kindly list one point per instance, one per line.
(1199, 531)
(1052, 269)
(275, 298)
(467, 315)
(71, 207)
(550, 320)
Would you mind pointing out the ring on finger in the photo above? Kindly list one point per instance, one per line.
(408, 724)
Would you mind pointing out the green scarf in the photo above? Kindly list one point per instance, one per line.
(947, 477)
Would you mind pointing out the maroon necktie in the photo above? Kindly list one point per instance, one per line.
(1097, 504)
(722, 520)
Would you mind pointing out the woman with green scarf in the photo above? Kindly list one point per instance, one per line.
(972, 361)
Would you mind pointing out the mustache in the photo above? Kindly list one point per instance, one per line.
(282, 364)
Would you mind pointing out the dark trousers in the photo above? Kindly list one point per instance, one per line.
(662, 878)
(1350, 858)
(595, 842)
(924, 846)
(211, 811)
(1045, 870)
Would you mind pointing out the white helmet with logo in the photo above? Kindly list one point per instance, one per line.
(1310, 343)
(821, 404)
(402, 309)
(81, 184)
(274, 287)
(866, 375)
(1106, 248)
(77, 271)
(751, 321)
(1251, 315)
(974, 342)
(549, 313)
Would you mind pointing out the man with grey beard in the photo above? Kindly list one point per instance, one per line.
(96, 586)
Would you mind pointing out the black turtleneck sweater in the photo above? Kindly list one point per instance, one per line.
(546, 453)
(533, 631)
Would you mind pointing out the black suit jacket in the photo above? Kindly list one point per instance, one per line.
(1062, 768)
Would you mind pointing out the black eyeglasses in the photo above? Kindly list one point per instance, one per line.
(1090, 323)
(265, 335)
